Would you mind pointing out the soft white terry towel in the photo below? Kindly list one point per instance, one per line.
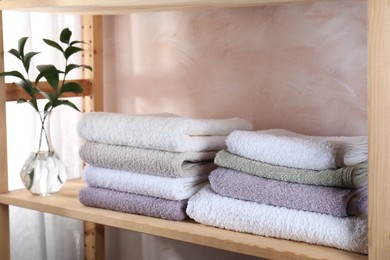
(176, 134)
(208, 208)
(285, 148)
(143, 184)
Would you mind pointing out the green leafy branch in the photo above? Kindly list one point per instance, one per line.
(54, 77)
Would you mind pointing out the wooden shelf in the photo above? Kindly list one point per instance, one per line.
(66, 204)
(126, 6)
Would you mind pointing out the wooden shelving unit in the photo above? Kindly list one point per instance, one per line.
(66, 203)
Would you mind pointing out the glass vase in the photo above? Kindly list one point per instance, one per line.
(43, 172)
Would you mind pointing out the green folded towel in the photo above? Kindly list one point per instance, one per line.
(349, 177)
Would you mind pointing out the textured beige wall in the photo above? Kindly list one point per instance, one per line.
(300, 67)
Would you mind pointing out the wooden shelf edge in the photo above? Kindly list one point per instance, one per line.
(126, 6)
(14, 92)
(66, 204)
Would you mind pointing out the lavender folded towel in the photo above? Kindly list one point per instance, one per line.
(328, 200)
(143, 184)
(209, 208)
(168, 133)
(285, 148)
(348, 177)
(155, 162)
(133, 203)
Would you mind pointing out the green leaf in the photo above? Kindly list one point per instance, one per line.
(27, 59)
(71, 67)
(27, 86)
(15, 53)
(33, 103)
(66, 103)
(76, 42)
(65, 35)
(71, 50)
(21, 100)
(44, 94)
(71, 87)
(13, 73)
(50, 73)
(54, 45)
(86, 67)
(21, 44)
(47, 106)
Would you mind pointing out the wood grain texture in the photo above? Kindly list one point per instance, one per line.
(125, 6)
(4, 210)
(92, 27)
(379, 127)
(66, 203)
(93, 241)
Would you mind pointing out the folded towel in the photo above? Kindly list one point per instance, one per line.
(176, 134)
(143, 184)
(208, 208)
(327, 200)
(285, 148)
(133, 203)
(349, 177)
(162, 163)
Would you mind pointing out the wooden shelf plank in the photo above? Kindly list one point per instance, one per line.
(66, 203)
(14, 92)
(125, 6)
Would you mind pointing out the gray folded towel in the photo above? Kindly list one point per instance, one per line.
(133, 203)
(148, 161)
(349, 177)
(338, 202)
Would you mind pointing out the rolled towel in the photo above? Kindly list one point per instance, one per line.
(156, 162)
(348, 177)
(176, 134)
(133, 203)
(327, 200)
(143, 184)
(285, 148)
(209, 208)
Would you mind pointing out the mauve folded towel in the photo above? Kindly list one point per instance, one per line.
(348, 177)
(156, 162)
(133, 203)
(176, 134)
(285, 148)
(328, 200)
(209, 208)
(143, 184)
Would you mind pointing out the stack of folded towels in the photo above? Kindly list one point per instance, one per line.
(149, 164)
(281, 184)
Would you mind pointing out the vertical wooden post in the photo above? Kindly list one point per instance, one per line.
(4, 210)
(379, 128)
(92, 33)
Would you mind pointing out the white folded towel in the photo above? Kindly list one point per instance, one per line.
(206, 207)
(285, 148)
(143, 184)
(169, 133)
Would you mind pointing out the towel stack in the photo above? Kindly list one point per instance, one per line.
(149, 164)
(280, 184)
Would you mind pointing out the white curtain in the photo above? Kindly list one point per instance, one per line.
(35, 235)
